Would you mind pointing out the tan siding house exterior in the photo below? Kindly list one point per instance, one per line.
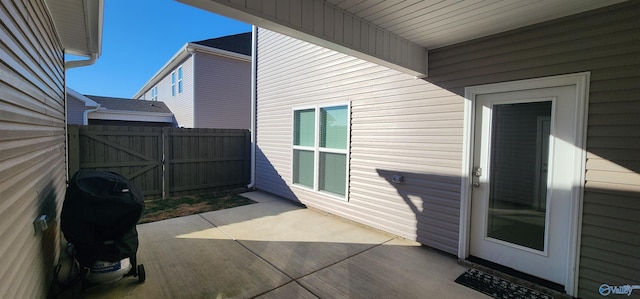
(415, 128)
(224, 86)
(605, 43)
(32, 139)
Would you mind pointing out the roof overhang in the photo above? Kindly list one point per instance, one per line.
(87, 101)
(396, 34)
(322, 23)
(79, 26)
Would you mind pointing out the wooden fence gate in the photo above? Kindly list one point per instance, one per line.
(164, 162)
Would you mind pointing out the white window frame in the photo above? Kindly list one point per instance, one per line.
(173, 84)
(317, 150)
(180, 83)
(154, 93)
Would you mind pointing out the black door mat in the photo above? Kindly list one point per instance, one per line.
(497, 287)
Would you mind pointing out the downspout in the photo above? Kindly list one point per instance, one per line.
(68, 65)
(254, 99)
(79, 63)
(85, 115)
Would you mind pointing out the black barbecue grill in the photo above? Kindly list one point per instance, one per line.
(99, 217)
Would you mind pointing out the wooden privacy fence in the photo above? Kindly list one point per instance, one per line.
(164, 162)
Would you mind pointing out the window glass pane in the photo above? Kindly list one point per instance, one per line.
(303, 168)
(333, 127)
(333, 173)
(303, 127)
(180, 80)
(173, 84)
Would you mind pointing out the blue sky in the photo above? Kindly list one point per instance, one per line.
(139, 37)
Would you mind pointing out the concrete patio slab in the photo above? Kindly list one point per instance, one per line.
(395, 269)
(277, 249)
(260, 196)
(290, 290)
(189, 258)
(295, 240)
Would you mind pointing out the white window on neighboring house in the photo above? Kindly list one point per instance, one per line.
(180, 80)
(320, 149)
(154, 93)
(173, 84)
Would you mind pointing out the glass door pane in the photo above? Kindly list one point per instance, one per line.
(518, 173)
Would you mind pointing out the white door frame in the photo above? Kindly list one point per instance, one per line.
(581, 83)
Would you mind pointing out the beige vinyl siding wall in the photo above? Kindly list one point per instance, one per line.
(222, 92)
(400, 125)
(32, 147)
(605, 42)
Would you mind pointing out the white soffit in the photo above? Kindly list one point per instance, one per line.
(79, 25)
(437, 23)
(394, 33)
(321, 23)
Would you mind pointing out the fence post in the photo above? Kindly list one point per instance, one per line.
(166, 169)
(73, 158)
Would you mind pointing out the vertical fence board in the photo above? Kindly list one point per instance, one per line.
(201, 160)
(165, 162)
(130, 151)
(73, 142)
(166, 175)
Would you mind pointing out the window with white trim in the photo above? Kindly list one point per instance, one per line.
(180, 80)
(154, 93)
(173, 84)
(320, 148)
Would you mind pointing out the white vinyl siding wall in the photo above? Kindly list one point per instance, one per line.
(222, 92)
(395, 129)
(32, 147)
(182, 103)
(75, 111)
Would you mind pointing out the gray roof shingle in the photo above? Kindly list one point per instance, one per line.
(130, 105)
(238, 43)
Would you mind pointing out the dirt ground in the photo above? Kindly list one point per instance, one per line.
(166, 208)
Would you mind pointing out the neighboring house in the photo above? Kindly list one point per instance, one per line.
(207, 84)
(518, 146)
(34, 38)
(96, 110)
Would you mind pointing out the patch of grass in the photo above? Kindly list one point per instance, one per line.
(166, 208)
